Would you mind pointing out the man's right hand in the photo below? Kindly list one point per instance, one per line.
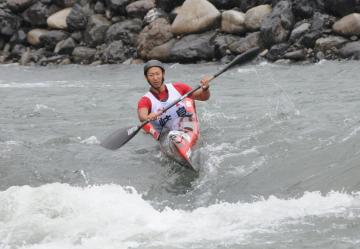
(153, 116)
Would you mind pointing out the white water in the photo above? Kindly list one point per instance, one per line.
(56, 216)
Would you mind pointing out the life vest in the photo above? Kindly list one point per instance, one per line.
(170, 119)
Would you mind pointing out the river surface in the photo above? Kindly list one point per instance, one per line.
(279, 160)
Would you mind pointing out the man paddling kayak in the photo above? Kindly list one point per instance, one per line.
(176, 129)
(161, 95)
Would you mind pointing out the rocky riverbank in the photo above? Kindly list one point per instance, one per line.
(128, 31)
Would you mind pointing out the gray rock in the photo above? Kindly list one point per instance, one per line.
(126, 31)
(96, 29)
(168, 5)
(118, 6)
(99, 7)
(38, 13)
(17, 51)
(9, 23)
(330, 42)
(276, 27)
(83, 55)
(65, 47)
(225, 4)
(51, 38)
(153, 14)
(19, 5)
(193, 48)
(248, 4)
(115, 53)
(162, 52)
(342, 7)
(77, 19)
(299, 31)
(19, 37)
(351, 50)
(64, 3)
(277, 51)
(304, 8)
(297, 55)
(243, 44)
(139, 8)
(153, 35)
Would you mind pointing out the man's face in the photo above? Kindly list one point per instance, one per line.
(155, 77)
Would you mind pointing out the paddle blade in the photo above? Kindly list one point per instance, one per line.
(120, 137)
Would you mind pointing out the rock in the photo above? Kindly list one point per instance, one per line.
(233, 22)
(65, 47)
(297, 32)
(83, 55)
(155, 34)
(193, 48)
(2, 43)
(277, 51)
(341, 7)
(96, 29)
(153, 14)
(304, 8)
(162, 52)
(351, 50)
(225, 4)
(52, 37)
(328, 43)
(9, 23)
(115, 53)
(126, 31)
(33, 36)
(245, 5)
(195, 16)
(243, 44)
(58, 19)
(19, 37)
(255, 15)
(168, 5)
(25, 57)
(276, 27)
(297, 55)
(319, 23)
(77, 36)
(38, 13)
(64, 3)
(99, 8)
(140, 8)
(348, 25)
(17, 51)
(56, 59)
(77, 18)
(118, 6)
(19, 5)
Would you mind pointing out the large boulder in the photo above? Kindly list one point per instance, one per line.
(155, 34)
(245, 5)
(192, 48)
(276, 27)
(38, 13)
(255, 15)
(19, 5)
(243, 44)
(328, 43)
(161, 52)
(51, 38)
(96, 30)
(304, 8)
(115, 52)
(140, 8)
(351, 50)
(168, 5)
(9, 23)
(233, 22)
(77, 18)
(65, 46)
(58, 19)
(195, 16)
(127, 31)
(33, 36)
(83, 55)
(299, 31)
(342, 7)
(348, 25)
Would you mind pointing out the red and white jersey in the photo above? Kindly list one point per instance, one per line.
(169, 119)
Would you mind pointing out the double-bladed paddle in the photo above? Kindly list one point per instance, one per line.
(121, 136)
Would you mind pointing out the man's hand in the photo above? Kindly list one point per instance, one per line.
(204, 82)
(153, 116)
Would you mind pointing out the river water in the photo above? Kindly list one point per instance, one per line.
(279, 160)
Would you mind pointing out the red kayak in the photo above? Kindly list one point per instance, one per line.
(179, 143)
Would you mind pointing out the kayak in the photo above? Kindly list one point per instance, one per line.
(179, 144)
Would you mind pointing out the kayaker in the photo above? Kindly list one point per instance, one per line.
(161, 95)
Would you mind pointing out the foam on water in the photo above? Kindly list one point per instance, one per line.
(111, 216)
